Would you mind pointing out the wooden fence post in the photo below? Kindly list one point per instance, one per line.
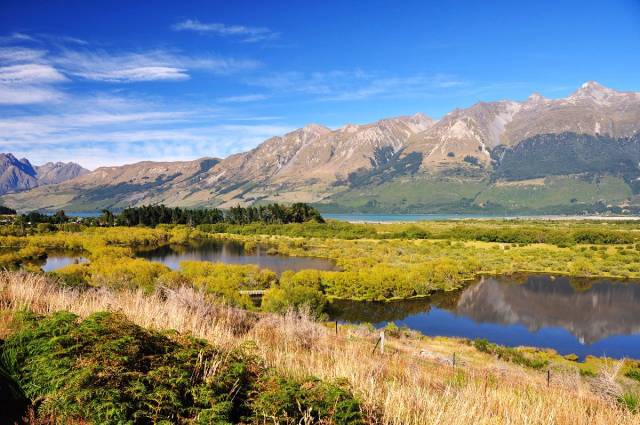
(381, 342)
(548, 377)
(375, 346)
(336, 327)
(454, 360)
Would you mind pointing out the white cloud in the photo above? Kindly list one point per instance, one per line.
(244, 33)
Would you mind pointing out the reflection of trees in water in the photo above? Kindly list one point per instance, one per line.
(233, 252)
(589, 309)
(374, 312)
(197, 246)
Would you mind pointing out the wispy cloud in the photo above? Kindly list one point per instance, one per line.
(28, 94)
(17, 54)
(25, 79)
(243, 98)
(243, 33)
(32, 73)
(16, 36)
(154, 65)
(339, 85)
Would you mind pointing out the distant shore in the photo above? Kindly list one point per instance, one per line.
(413, 218)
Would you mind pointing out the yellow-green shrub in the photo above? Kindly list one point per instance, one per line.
(126, 273)
(226, 280)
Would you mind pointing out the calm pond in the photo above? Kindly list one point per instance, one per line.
(586, 317)
(231, 252)
(55, 261)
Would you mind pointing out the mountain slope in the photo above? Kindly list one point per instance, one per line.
(578, 153)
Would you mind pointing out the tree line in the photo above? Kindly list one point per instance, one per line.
(152, 215)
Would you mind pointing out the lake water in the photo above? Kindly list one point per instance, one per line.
(585, 317)
(231, 252)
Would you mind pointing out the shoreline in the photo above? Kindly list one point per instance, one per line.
(443, 217)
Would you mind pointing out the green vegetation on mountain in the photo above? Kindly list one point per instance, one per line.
(580, 191)
(410, 194)
(568, 153)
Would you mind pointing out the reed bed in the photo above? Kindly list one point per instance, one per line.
(399, 387)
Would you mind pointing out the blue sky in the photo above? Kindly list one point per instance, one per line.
(108, 83)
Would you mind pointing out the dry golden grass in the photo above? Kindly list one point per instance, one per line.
(412, 383)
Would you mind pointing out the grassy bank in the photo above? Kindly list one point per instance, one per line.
(413, 382)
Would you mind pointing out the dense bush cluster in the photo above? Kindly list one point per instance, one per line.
(332, 229)
(538, 234)
(524, 233)
(303, 290)
(105, 369)
(227, 280)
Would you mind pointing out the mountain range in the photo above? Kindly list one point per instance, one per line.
(18, 174)
(575, 154)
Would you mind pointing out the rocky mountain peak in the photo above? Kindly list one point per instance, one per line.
(8, 160)
(349, 128)
(594, 91)
(315, 129)
(57, 172)
(536, 97)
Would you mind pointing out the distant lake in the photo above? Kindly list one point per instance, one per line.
(83, 214)
(231, 252)
(585, 317)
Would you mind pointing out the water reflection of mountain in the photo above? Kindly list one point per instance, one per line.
(590, 313)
